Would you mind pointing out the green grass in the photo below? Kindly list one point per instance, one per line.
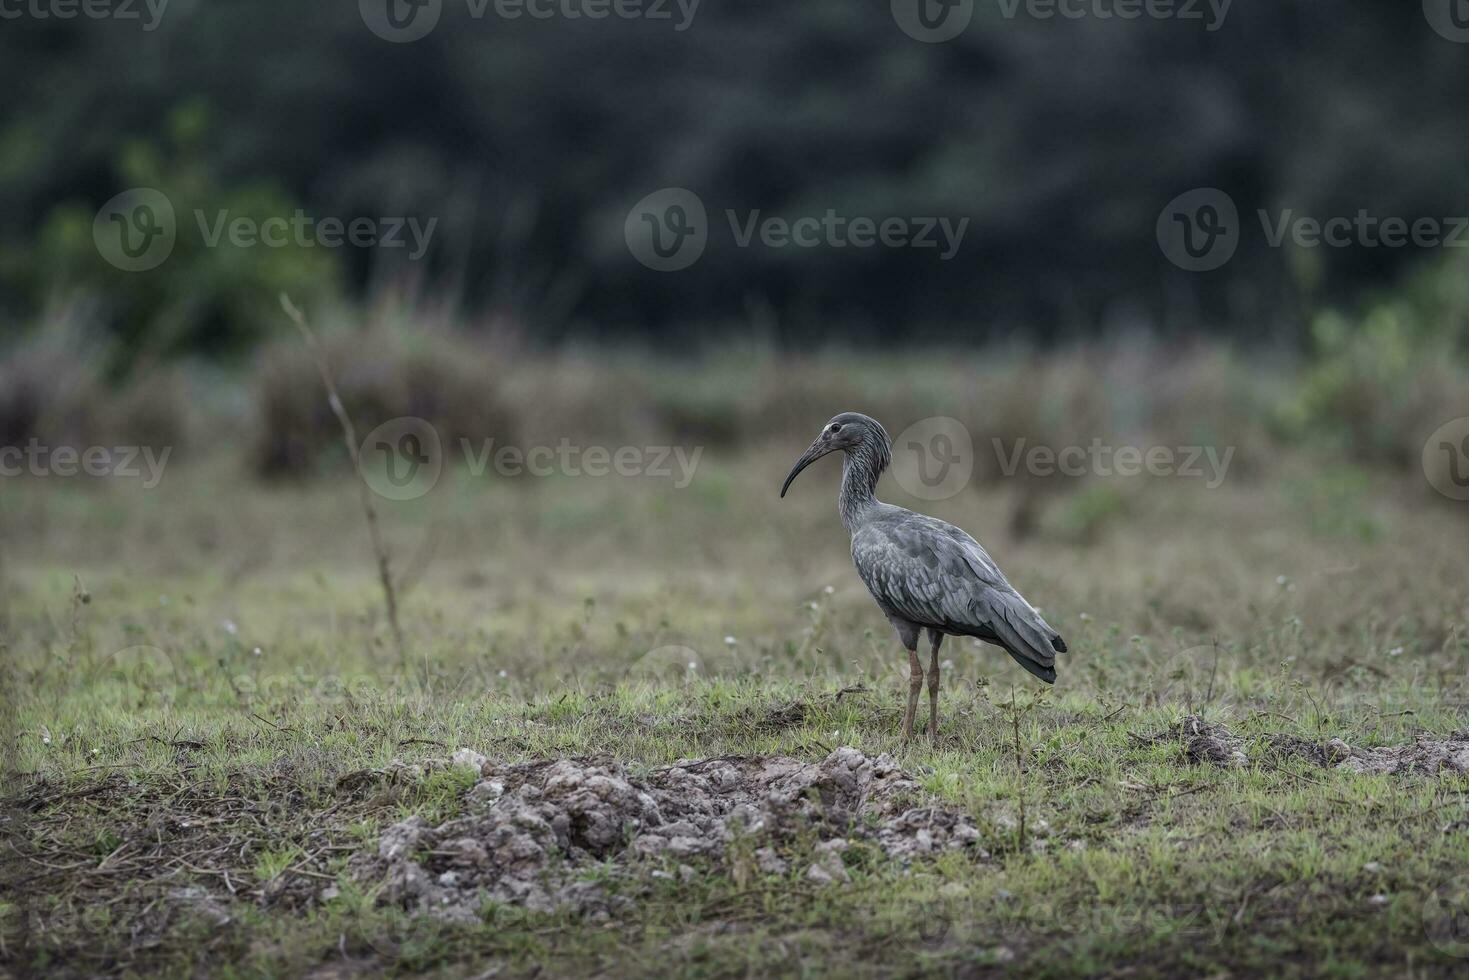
(156, 751)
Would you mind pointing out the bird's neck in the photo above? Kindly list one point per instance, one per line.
(861, 467)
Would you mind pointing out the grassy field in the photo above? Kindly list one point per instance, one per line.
(212, 728)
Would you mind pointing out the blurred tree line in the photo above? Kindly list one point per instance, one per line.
(529, 139)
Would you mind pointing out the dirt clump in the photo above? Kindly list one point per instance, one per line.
(1202, 742)
(1425, 755)
(529, 829)
(1329, 753)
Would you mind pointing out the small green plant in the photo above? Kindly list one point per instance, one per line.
(1015, 711)
(273, 862)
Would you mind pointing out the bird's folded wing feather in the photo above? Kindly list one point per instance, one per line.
(934, 574)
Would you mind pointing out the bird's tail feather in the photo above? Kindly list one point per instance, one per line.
(1026, 636)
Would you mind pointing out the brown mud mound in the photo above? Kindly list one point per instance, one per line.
(529, 828)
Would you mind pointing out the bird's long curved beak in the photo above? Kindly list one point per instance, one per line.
(811, 455)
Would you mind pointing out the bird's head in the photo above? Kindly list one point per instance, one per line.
(852, 433)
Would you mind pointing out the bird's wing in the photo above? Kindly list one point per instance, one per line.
(932, 573)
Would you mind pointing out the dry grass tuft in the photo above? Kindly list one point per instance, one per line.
(54, 388)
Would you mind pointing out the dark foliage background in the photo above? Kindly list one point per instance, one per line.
(1060, 139)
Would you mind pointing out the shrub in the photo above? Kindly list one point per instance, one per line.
(204, 300)
(383, 370)
(54, 388)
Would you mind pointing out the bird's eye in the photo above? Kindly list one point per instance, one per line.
(836, 427)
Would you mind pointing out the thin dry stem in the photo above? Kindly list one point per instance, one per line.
(364, 492)
(1019, 764)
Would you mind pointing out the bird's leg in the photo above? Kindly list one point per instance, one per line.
(915, 685)
(935, 638)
